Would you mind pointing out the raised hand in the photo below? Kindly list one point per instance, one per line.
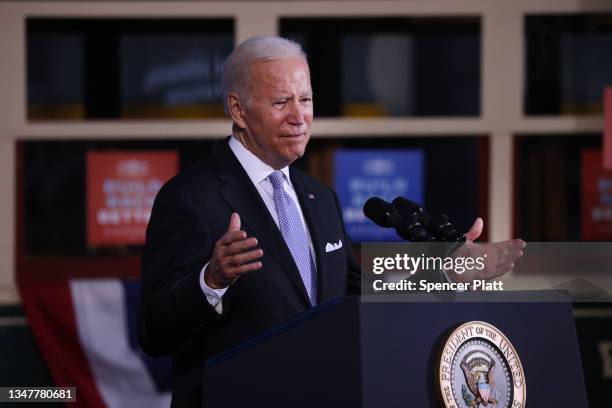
(234, 255)
(500, 257)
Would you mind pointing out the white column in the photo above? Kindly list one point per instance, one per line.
(501, 107)
(8, 223)
(252, 20)
(12, 116)
(499, 222)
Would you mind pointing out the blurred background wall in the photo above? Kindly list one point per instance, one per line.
(501, 102)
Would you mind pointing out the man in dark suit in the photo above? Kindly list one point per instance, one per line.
(241, 241)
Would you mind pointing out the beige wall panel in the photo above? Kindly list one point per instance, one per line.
(502, 69)
(253, 20)
(12, 115)
(12, 73)
(8, 291)
(500, 188)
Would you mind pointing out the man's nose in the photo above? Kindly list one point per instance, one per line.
(296, 113)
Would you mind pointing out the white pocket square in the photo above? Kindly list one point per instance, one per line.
(333, 247)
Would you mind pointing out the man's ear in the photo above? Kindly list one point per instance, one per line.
(236, 109)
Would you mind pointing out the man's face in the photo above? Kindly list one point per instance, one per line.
(278, 115)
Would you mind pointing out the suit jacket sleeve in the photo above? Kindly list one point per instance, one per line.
(173, 310)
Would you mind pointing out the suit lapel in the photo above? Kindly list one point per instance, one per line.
(307, 196)
(242, 196)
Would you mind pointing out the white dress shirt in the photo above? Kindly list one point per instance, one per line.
(258, 172)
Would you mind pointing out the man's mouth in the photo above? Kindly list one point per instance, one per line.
(296, 135)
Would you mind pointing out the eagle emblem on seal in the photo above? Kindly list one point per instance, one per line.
(478, 368)
(474, 370)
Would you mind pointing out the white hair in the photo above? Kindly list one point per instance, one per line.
(261, 48)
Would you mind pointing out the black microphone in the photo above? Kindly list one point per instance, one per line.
(387, 216)
(440, 228)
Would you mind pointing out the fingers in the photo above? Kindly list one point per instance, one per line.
(234, 224)
(513, 245)
(509, 251)
(239, 245)
(501, 256)
(475, 230)
(239, 260)
(230, 266)
(234, 254)
(241, 270)
(231, 236)
(239, 252)
(233, 231)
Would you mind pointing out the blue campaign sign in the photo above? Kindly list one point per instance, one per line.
(361, 174)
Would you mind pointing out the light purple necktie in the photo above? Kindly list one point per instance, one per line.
(293, 232)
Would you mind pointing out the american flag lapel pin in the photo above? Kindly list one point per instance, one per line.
(311, 196)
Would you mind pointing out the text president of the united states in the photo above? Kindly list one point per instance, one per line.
(242, 241)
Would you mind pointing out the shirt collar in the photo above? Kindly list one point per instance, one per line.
(256, 169)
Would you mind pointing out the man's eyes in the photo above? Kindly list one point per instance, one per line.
(283, 102)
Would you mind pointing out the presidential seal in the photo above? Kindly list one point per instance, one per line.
(479, 368)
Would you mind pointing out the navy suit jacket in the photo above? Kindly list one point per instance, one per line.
(190, 213)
